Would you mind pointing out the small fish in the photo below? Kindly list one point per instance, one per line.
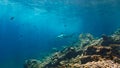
(65, 25)
(12, 18)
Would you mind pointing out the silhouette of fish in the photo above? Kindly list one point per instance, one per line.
(12, 18)
(65, 36)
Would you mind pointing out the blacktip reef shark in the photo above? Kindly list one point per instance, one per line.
(63, 36)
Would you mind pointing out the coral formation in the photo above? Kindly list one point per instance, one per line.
(88, 52)
(98, 64)
(31, 63)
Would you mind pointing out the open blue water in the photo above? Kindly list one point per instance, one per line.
(29, 28)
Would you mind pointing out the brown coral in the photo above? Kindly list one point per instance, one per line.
(95, 53)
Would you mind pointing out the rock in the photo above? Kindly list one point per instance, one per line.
(106, 40)
(116, 50)
(67, 54)
(85, 59)
(99, 64)
(89, 53)
(31, 63)
(97, 50)
(85, 39)
(117, 32)
(113, 39)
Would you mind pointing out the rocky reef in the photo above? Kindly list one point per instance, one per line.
(88, 52)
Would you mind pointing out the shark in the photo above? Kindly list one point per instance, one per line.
(63, 36)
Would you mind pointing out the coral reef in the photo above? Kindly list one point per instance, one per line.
(31, 63)
(88, 52)
(98, 64)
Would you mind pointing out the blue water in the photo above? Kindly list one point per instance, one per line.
(28, 28)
